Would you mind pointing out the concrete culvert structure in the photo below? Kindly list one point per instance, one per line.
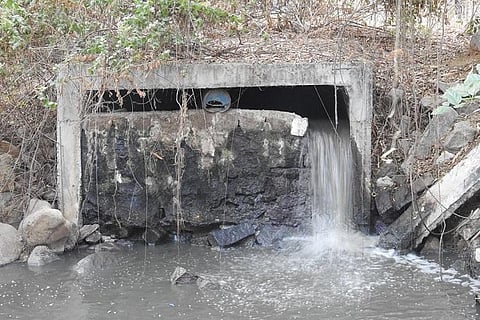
(121, 143)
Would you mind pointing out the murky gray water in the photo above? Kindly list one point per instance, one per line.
(134, 283)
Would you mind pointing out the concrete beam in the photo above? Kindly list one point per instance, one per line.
(436, 205)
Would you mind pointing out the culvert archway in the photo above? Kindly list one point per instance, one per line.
(117, 163)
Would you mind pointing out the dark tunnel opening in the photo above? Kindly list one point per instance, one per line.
(313, 102)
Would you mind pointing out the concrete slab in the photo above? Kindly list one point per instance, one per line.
(436, 205)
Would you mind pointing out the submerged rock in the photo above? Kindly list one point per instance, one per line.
(231, 235)
(153, 235)
(181, 276)
(41, 255)
(269, 235)
(10, 244)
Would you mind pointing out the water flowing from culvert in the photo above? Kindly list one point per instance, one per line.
(331, 188)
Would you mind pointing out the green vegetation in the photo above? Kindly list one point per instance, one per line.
(460, 93)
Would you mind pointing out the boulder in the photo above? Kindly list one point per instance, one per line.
(231, 235)
(41, 255)
(461, 135)
(36, 205)
(45, 227)
(10, 244)
(181, 276)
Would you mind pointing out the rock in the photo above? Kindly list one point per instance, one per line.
(434, 132)
(41, 255)
(385, 182)
(94, 238)
(87, 230)
(380, 227)
(36, 205)
(475, 41)
(470, 227)
(431, 102)
(10, 244)
(72, 239)
(431, 246)
(182, 276)
(461, 135)
(269, 235)
(95, 261)
(205, 283)
(444, 157)
(468, 107)
(45, 226)
(231, 235)
(153, 235)
(384, 205)
(454, 189)
(7, 177)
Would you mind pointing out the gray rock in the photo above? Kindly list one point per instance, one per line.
(431, 101)
(10, 244)
(45, 226)
(36, 205)
(470, 227)
(181, 276)
(94, 238)
(87, 230)
(468, 107)
(231, 235)
(95, 261)
(444, 157)
(384, 204)
(269, 235)
(41, 255)
(434, 132)
(461, 135)
(475, 41)
(431, 246)
(206, 283)
(153, 235)
(385, 182)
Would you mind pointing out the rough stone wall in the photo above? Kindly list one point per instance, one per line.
(236, 166)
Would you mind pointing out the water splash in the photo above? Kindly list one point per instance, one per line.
(332, 190)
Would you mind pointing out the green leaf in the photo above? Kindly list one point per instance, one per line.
(472, 84)
(453, 96)
(441, 109)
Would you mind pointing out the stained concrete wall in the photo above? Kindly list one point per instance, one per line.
(75, 80)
